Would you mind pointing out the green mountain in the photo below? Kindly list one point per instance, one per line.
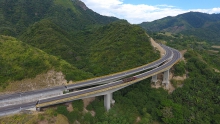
(118, 46)
(50, 38)
(75, 34)
(66, 36)
(114, 47)
(202, 25)
(17, 15)
(19, 61)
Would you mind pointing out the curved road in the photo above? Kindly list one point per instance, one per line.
(98, 89)
(95, 81)
(172, 54)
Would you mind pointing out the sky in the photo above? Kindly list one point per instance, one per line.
(138, 11)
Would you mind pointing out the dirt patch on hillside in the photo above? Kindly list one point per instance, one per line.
(138, 119)
(217, 47)
(213, 51)
(51, 78)
(182, 53)
(69, 107)
(60, 119)
(170, 88)
(87, 101)
(92, 113)
(157, 47)
(43, 122)
(180, 78)
(159, 84)
(216, 70)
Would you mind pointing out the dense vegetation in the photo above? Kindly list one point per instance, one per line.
(210, 33)
(17, 15)
(202, 25)
(71, 32)
(118, 46)
(50, 38)
(68, 37)
(114, 47)
(19, 61)
(197, 101)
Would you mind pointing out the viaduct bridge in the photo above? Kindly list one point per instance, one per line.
(105, 85)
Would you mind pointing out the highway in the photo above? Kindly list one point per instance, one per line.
(94, 81)
(17, 95)
(111, 78)
(17, 108)
(98, 89)
(171, 57)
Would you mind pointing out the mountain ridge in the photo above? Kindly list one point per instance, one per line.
(71, 15)
(75, 34)
(191, 23)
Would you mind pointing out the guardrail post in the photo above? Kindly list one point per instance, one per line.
(108, 100)
(166, 76)
(154, 79)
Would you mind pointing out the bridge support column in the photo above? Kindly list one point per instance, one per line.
(154, 79)
(38, 109)
(108, 100)
(166, 76)
(111, 99)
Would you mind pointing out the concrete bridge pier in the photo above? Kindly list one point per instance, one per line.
(154, 79)
(38, 109)
(108, 100)
(166, 76)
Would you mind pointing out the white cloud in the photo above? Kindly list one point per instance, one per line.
(137, 13)
(210, 11)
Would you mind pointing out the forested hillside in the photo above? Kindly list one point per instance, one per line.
(17, 15)
(118, 46)
(72, 33)
(65, 35)
(195, 99)
(52, 39)
(20, 61)
(205, 26)
(198, 100)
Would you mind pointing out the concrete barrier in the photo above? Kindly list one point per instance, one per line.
(29, 98)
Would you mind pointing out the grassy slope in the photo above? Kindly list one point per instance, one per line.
(19, 61)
